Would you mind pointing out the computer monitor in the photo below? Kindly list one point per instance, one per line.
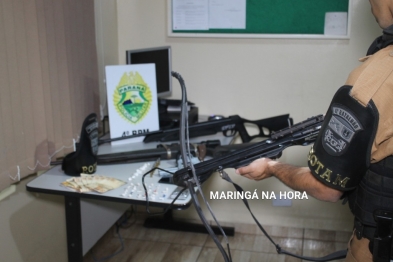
(161, 56)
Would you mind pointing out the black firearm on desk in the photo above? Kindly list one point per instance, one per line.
(228, 126)
(303, 133)
(163, 152)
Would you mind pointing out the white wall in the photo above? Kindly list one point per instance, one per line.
(255, 78)
(32, 226)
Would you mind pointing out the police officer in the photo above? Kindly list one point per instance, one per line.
(352, 156)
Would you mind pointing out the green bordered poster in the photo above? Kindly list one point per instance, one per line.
(326, 19)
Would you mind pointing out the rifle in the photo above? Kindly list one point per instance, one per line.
(303, 133)
(162, 151)
(229, 126)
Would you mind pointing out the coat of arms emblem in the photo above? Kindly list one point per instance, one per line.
(342, 127)
(132, 97)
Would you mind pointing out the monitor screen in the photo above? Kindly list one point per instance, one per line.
(161, 56)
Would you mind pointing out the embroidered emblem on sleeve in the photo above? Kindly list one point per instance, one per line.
(342, 127)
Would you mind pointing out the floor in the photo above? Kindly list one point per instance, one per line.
(137, 243)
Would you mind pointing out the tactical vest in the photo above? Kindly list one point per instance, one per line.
(375, 192)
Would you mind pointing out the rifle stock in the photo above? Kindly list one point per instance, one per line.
(303, 133)
(265, 126)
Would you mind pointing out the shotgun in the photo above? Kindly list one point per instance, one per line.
(303, 133)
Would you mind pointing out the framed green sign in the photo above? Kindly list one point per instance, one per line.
(274, 19)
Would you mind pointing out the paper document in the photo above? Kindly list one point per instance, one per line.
(336, 23)
(190, 14)
(206, 14)
(227, 14)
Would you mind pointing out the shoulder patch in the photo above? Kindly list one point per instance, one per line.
(342, 127)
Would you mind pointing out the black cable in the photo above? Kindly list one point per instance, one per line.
(147, 196)
(188, 164)
(333, 256)
(205, 222)
(183, 119)
(123, 221)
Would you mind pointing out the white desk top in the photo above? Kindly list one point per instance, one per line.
(159, 194)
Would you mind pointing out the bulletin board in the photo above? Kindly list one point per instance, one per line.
(277, 19)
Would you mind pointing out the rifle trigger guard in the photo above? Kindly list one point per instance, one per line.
(223, 174)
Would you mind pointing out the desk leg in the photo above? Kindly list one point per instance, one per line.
(74, 229)
(167, 222)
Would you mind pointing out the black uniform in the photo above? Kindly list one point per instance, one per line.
(353, 152)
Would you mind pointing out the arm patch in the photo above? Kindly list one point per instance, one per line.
(341, 154)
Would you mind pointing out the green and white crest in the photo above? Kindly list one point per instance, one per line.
(132, 97)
